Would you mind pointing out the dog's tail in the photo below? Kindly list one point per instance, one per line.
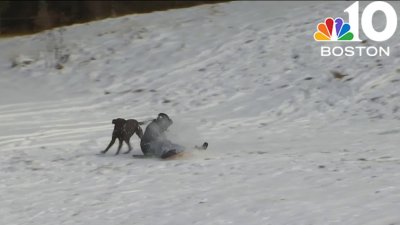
(145, 121)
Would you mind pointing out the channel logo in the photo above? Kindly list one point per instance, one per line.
(336, 30)
(333, 30)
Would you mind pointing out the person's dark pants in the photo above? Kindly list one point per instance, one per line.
(162, 149)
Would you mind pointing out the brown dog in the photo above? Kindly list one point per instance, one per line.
(123, 130)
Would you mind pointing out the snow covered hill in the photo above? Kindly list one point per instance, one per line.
(289, 142)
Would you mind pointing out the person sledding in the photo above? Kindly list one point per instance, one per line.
(154, 142)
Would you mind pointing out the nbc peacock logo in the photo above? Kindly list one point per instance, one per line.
(333, 30)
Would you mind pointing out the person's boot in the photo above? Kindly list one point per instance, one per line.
(203, 147)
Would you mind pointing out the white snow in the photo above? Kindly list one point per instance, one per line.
(289, 143)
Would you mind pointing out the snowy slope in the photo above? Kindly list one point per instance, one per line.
(289, 143)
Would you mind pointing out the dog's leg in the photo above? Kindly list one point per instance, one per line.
(139, 132)
(109, 145)
(127, 141)
(119, 146)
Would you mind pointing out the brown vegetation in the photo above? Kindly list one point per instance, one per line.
(19, 17)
